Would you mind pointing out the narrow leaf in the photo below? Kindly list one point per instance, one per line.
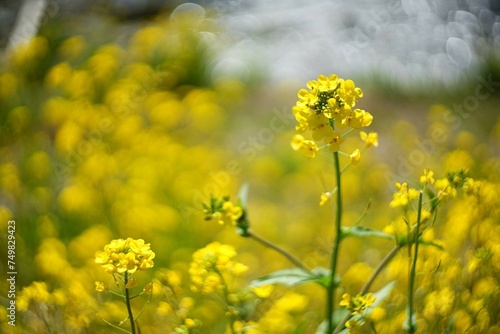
(431, 243)
(286, 277)
(365, 232)
(323, 278)
(243, 195)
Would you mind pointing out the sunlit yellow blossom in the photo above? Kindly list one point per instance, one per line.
(319, 126)
(263, 291)
(333, 141)
(291, 302)
(370, 139)
(358, 303)
(403, 196)
(427, 177)
(307, 148)
(444, 188)
(125, 256)
(348, 92)
(325, 197)
(325, 108)
(355, 157)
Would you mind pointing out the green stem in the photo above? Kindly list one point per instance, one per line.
(385, 261)
(129, 307)
(336, 247)
(280, 250)
(412, 328)
(225, 291)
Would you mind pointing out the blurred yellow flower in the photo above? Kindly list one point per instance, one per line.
(370, 139)
(307, 148)
(403, 196)
(358, 303)
(100, 286)
(325, 197)
(427, 177)
(263, 291)
(210, 264)
(355, 157)
(223, 211)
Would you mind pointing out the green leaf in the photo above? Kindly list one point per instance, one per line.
(243, 195)
(337, 317)
(364, 232)
(296, 276)
(403, 241)
(431, 243)
(410, 325)
(380, 296)
(322, 327)
(434, 200)
(286, 277)
(323, 277)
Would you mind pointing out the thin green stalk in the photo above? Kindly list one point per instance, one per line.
(385, 261)
(225, 290)
(280, 250)
(411, 285)
(129, 307)
(330, 296)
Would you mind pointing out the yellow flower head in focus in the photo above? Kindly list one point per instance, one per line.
(324, 108)
(125, 256)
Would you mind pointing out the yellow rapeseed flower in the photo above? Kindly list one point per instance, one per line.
(308, 148)
(125, 256)
(403, 196)
(358, 303)
(209, 264)
(223, 211)
(355, 157)
(326, 107)
(370, 139)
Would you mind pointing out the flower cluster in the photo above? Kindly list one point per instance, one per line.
(125, 256)
(223, 211)
(326, 108)
(403, 196)
(358, 303)
(356, 306)
(210, 264)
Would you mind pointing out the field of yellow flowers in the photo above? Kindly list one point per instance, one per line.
(138, 194)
